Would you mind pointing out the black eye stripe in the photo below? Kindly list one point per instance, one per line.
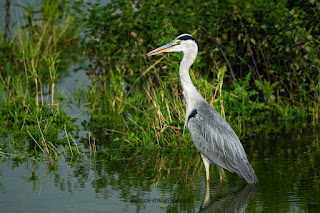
(186, 37)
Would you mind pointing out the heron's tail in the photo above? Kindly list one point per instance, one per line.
(247, 174)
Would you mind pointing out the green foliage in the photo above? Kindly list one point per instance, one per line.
(267, 89)
(281, 37)
(270, 49)
(242, 100)
(31, 118)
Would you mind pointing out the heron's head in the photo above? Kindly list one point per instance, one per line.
(183, 43)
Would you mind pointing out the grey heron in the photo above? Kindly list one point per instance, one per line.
(211, 134)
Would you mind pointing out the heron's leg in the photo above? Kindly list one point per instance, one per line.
(220, 172)
(206, 199)
(207, 196)
(207, 166)
(220, 189)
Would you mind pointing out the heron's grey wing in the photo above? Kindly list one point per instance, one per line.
(216, 140)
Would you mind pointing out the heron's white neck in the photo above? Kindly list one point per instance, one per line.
(190, 92)
(187, 61)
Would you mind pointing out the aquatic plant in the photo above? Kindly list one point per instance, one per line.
(33, 123)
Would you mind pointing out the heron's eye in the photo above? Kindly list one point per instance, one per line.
(178, 41)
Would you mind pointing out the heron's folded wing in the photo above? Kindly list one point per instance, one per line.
(216, 140)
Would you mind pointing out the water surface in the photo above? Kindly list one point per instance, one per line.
(286, 163)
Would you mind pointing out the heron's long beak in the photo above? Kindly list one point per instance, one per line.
(162, 49)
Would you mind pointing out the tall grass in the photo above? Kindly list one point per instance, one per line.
(31, 118)
(151, 114)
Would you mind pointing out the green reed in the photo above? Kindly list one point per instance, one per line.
(32, 119)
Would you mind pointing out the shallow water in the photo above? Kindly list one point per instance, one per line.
(286, 163)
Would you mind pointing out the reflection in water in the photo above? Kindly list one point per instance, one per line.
(236, 202)
(116, 180)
